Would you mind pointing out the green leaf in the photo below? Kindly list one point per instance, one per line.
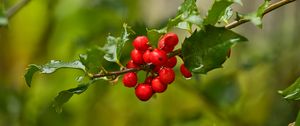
(51, 67)
(32, 68)
(256, 17)
(227, 15)
(216, 12)
(113, 47)
(64, 96)
(292, 92)
(297, 122)
(92, 59)
(154, 35)
(54, 65)
(186, 16)
(3, 18)
(207, 49)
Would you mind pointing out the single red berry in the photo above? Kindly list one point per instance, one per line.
(166, 75)
(137, 56)
(148, 80)
(158, 57)
(157, 86)
(141, 43)
(164, 47)
(170, 39)
(146, 56)
(131, 64)
(143, 92)
(130, 79)
(185, 72)
(171, 62)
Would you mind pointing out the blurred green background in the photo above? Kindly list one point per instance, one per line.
(243, 93)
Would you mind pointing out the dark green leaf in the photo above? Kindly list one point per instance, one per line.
(113, 47)
(292, 92)
(64, 96)
(92, 59)
(207, 49)
(256, 17)
(186, 16)
(29, 73)
(51, 67)
(217, 10)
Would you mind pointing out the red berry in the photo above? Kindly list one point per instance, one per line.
(157, 86)
(171, 62)
(131, 64)
(170, 39)
(146, 56)
(130, 79)
(185, 72)
(164, 47)
(166, 75)
(137, 56)
(158, 57)
(148, 80)
(141, 43)
(157, 68)
(143, 92)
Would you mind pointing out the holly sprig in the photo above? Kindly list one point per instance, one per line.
(204, 50)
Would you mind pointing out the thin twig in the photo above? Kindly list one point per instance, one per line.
(13, 10)
(269, 9)
(178, 51)
(116, 73)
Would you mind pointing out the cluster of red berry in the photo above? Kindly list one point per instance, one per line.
(162, 73)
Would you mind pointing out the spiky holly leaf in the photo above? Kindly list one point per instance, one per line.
(64, 96)
(50, 67)
(186, 16)
(207, 49)
(256, 17)
(220, 9)
(114, 46)
(292, 92)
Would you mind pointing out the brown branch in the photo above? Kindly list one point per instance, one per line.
(116, 73)
(178, 51)
(175, 53)
(13, 10)
(269, 9)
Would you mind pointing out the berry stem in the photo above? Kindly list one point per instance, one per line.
(178, 51)
(120, 64)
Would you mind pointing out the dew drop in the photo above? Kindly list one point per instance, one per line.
(79, 79)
